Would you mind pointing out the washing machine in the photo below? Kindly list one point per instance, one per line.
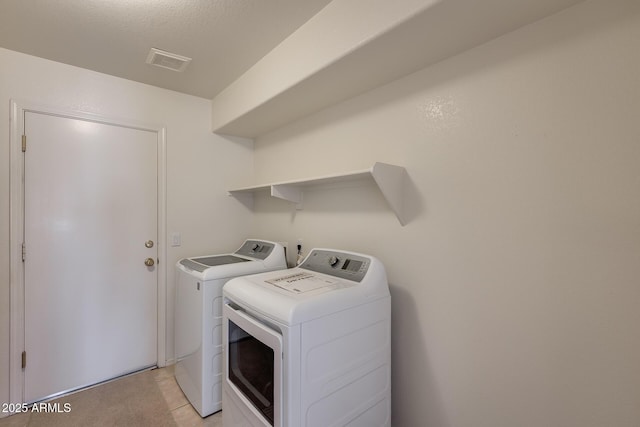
(309, 346)
(198, 316)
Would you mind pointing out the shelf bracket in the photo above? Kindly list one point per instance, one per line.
(245, 198)
(288, 192)
(390, 180)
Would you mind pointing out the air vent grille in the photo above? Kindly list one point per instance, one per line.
(171, 61)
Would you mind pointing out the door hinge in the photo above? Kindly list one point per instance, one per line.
(24, 143)
(24, 359)
(24, 252)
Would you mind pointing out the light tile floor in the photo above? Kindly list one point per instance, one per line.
(181, 411)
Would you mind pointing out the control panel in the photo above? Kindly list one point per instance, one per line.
(339, 264)
(256, 249)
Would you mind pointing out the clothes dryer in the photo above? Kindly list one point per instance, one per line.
(198, 316)
(309, 346)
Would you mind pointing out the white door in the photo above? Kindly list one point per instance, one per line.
(90, 195)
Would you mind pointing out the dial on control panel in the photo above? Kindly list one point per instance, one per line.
(333, 261)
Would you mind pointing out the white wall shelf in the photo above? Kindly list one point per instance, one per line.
(388, 178)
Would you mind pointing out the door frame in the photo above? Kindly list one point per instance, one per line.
(16, 231)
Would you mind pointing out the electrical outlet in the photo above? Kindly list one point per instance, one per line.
(299, 255)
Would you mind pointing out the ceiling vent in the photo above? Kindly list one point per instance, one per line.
(161, 58)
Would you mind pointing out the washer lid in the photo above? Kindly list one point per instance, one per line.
(202, 263)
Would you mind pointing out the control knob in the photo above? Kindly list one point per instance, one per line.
(333, 261)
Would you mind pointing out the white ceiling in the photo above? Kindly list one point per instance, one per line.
(224, 37)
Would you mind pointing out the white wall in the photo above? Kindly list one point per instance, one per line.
(516, 283)
(200, 165)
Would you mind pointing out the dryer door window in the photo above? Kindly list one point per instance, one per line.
(251, 369)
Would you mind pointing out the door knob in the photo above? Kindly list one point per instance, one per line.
(149, 262)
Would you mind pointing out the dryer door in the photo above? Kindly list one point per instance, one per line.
(253, 370)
